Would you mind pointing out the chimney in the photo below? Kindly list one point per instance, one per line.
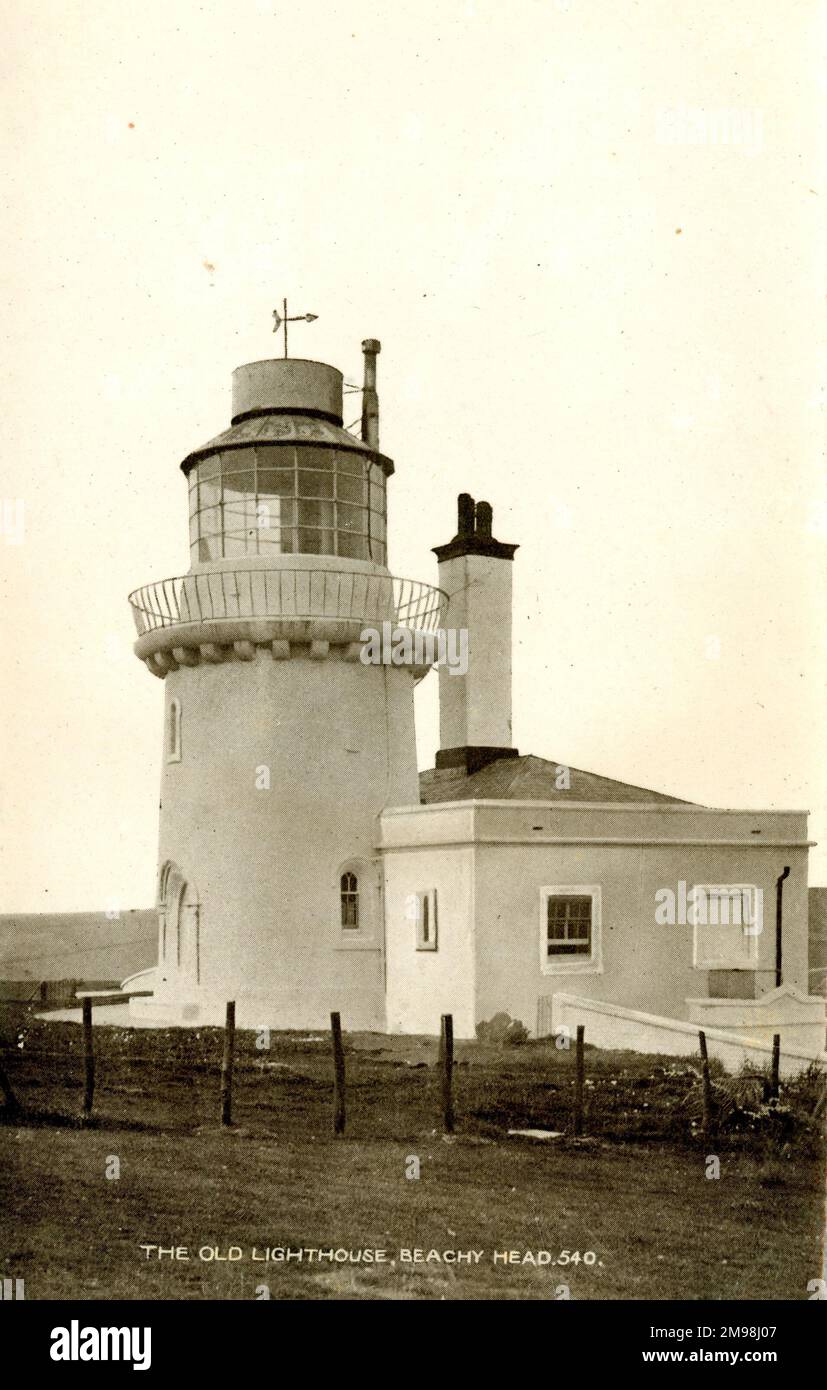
(475, 708)
(371, 347)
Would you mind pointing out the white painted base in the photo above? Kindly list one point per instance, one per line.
(359, 1014)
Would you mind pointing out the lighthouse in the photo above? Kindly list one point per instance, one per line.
(282, 746)
(305, 867)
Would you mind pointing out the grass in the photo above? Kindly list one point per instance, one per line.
(657, 1226)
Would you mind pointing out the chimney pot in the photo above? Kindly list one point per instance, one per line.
(465, 514)
(484, 520)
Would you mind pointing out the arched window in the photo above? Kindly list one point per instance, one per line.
(173, 733)
(349, 889)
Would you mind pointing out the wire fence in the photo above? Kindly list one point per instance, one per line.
(545, 1089)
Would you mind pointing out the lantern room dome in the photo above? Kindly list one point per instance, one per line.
(287, 401)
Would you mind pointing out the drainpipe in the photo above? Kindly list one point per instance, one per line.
(779, 896)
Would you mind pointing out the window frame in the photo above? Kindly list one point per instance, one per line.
(172, 731)
(352, 896)
(426, 920)
(591, 964)
(367, 935)
(720, 962)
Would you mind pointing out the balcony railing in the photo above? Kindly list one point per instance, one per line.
(298, 594)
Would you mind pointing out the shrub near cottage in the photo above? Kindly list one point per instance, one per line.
(502, 1028)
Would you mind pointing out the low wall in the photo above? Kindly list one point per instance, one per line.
(612, 1026)
(798, 1017)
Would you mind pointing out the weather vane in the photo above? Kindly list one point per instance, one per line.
(282, 318)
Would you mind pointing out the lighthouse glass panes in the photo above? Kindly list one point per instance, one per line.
(287, 500)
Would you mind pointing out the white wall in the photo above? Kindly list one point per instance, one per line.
(645, 965)
(422, 985)
(338, 740)
(515, 849)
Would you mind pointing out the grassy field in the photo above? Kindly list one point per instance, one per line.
(633, 1198)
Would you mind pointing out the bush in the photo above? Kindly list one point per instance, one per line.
(502, 1028)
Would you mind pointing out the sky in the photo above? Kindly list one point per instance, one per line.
(590, 236)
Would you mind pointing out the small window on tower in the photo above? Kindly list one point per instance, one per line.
(350, 902)
(174, 732)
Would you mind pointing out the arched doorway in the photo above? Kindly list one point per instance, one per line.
(179, 943)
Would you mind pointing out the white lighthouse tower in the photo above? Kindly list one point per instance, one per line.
(281, 746)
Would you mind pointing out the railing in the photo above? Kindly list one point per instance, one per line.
(299, 594)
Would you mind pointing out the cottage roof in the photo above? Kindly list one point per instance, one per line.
(529, 778)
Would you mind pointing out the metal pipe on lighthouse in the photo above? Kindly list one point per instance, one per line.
(371, 347)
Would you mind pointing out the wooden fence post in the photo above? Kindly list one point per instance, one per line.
(88, 1058)
(708, 1115)
(776, 1065)
(338, 1075)
(579, 1080)
(227, 1066)
(446, 1070)
(12, 1104)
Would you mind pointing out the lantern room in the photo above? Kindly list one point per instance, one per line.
(287, 478)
